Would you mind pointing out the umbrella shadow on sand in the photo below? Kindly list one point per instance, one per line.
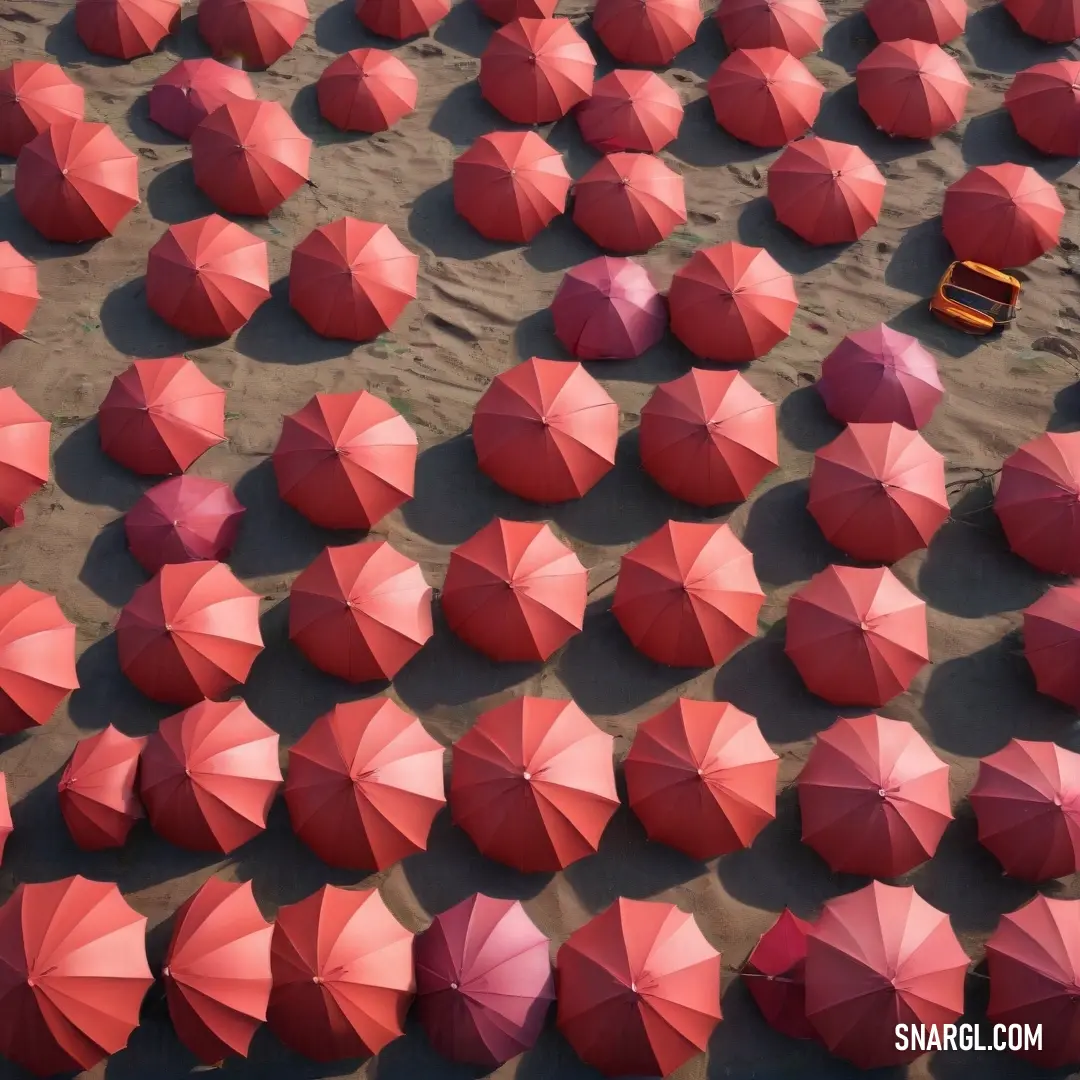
(109, 569)
(172, 195)
(437, 226)
(758, 227)
(703, 142)
(133, 329)
(920, 259)
(85, 472)
(463, 115)
(560, 246)
(849, 41)
(275, 334)
(145, 130)
(465, 30)
(805, 421)
(66, 47)
(28, 241)
(992, 139)
(338, 30)
(843, 119)
(996, 43)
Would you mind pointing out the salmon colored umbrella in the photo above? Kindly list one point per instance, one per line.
(935, 21)
(24, 454)
(646, 32)
(1052, 643)
(258, 32)
(96, 791)
(345, 461)
(775, 975)
(401, 19)
(731, 303)
(546, 430)
(33, 96)
(688, 596)
(191, 632)
(514, 592)
(217, 970)
(504, 11)
(880, 376)
(366, 90)
(124, 29)
(630, 110)
(6, 828)
(76, 182)
(765, 97)
(639, 989)
(365, 783)
(877, 492)
(536, 70)
(1002, 215)
(361, 611)
(708, 437)
(796, 26)
(704, 762)
(1044, 103)
(533, 784)
(189, 92)
(1054, 21)
(74, 974)
(343, 974)
(159, 416)
(857, 636)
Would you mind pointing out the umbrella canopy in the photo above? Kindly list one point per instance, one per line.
(96, 791)
(365, 783)
(6, 828)
(189, 92)
(533, 784)
(876, 958)
(366, 90)
(1052, 643)
(857, 636)
(765, 97)
(687, 596)
(646, 32)
(1002, 215)
(343, 974)
(401, 19)
(76, 181)
(775, 975)
(546, 430)
(514, 592)
(124, 29)
(345, 461)
(880, 376)
(630, 110)
(258, 32)
(504, 11)
(705, 763)
(1044, 103)
(796, 26)
(639, 989)
(877, 491)
(33, 96)
(191, 632)
(1055, 21)
(536, 70)
(217, 970)
(509, 185)
(708, 437)
(74, 974)
(935, 21)
(24, 454)
(731, 303)
(159, 416)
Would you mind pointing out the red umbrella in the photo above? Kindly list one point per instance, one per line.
(365, 783)
(76, 181)
(630, 110)
(504, 11)
(646, 32)
(546, 430)
(731, 303)
(483, 981)
(857, 636)
(1052, 643)
(509, 185)
(217, 970)
(343, 974)
(775, 974)
(1002, 215)
(877, 492)
(74, 974)
(6, 828)
(536, 70)
(533, 784)
(688, 596)
(639, 989)
(97, 790)
(366, 90)
(796, 26)
(401, 19)
(189, 92)
(514, 592)
(765, 97)
(708, 437)
(1055, 21)
(24, 454)
(1044, 103)
(159, 416)
(880, 376)
(345, 461)
(124, 29)
(191, 632)
(207, 277)
(704, 762)
(258, 32)
(33, 96)
(936, 21)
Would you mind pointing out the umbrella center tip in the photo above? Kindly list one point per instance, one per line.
(864, 625)
(453, 986)
(1058, 800)
(166, 971)
(317, 980)
(882, 793)
(526, 776)
(31, 982)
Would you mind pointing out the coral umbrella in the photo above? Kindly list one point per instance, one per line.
(24, 454)
(935, 21)
(76, 182)
(6, 828)
(765, 97)
(796, 26)
(857, 636)
(159, 416)
(775, 974)
(877, 492)
(345, 461)
(365, 783)
(258, 32)
(1002, 215)
(191, 632)
(33, 96)
(1052, 643)
(96, 791)
(546, 430)
(504, 11)
(533, 784)
(646, 32)
(217, 970)
(190, 91)
(731, 303)
(639, 989)
(704, 762)
(1044, 103)
(343, 974)
(366, 90)
(74, 974)
(708, 437)
(536, 70)
(514, 592)
(630, 110)
(124, 29)
(687, 596)
(1054, 21)
(880, 376)
(401, 19)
